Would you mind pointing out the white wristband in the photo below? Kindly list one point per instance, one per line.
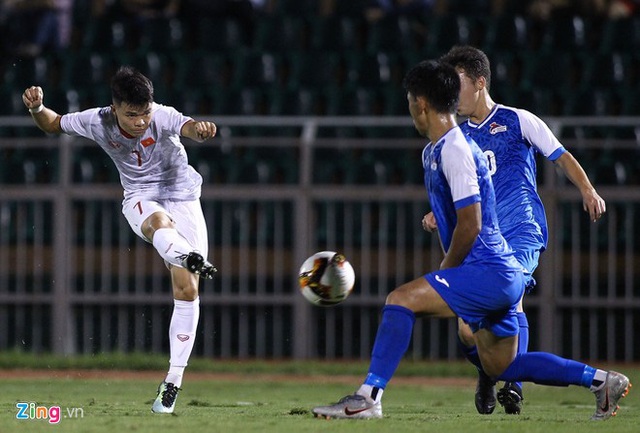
(36, 110)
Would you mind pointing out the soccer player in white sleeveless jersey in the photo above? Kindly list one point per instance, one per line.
(510, 138)
(161, 193)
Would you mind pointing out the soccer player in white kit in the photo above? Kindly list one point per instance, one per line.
(161, 193)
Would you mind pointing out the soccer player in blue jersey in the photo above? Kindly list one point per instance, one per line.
(511, 138)
(479, 279)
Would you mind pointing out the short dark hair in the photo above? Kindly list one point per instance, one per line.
(438, 82)
(130, 86)
(474, 62)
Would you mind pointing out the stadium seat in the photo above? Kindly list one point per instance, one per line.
(606, 70)
(86, 69)
(507, 76)
(106, 35)
(162, 34)
(27, 71)
(622, 35)
(390, 33)
(337, 33)
(565, 34)
(590, 102)
(448, 31)
(281, 33)
(315, 70)
(372, 69)
(507, 33)
(222, 34)
(203, 69)
(567, 71)
(257, 69)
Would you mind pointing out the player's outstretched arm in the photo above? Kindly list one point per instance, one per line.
(198, 130)
(46, 119)
(591, 201)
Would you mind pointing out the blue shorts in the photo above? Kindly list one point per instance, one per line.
(483, 298)
(528, 256)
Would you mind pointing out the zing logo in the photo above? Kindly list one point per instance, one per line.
(29, 411)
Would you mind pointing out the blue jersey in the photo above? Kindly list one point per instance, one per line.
(456, 175)
(510, 138)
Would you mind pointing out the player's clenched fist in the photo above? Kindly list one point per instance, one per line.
(32, 97)
(205, 130)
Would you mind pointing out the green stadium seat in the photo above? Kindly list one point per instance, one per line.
(622, 35)
(257, 69)
(606, 70)
(567, 72)
(566, 34)
(507, 33)
(337, 33)
(162, 34)
(315, 69)
(372, 69)
(390, 33)
(223, 34)
(281, 33)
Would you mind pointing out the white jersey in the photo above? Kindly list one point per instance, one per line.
(153, 166)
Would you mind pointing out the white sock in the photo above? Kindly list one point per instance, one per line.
(170, 245)
(599, 379)
(372, 393)
(182, 335)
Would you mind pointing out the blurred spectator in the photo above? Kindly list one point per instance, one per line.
(144, 9)
(381, 8)
(34, 26)
(623, 8)
(546, 9)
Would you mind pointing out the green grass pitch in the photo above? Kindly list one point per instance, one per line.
(277, 397)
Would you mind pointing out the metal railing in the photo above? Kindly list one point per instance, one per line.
(73, 278)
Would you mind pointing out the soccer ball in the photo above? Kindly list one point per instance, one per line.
(326, 278)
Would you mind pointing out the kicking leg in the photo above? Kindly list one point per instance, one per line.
(392, 341)
(549, 369)
(182, 333)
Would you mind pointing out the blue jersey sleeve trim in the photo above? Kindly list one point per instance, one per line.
(467, 201)
(557, 153)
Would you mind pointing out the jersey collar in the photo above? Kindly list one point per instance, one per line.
(486, 119)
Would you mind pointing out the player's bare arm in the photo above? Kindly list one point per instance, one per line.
(46, 119)
(592, 203)
(199, 130)
(464, 235)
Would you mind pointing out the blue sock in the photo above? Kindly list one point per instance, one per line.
(392, 341)
(547, 369)
(523, 337)
(470, 353)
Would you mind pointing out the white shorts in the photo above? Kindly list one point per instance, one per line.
(187, 216)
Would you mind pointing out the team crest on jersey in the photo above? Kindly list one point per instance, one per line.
(494, 128)
(147, 142)
(115, 145)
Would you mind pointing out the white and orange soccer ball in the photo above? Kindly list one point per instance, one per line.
(326, 278)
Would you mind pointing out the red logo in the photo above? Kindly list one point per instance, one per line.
(183, 337)
(115, 145)
(494, 128)
(147, 142)
(350, 412)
